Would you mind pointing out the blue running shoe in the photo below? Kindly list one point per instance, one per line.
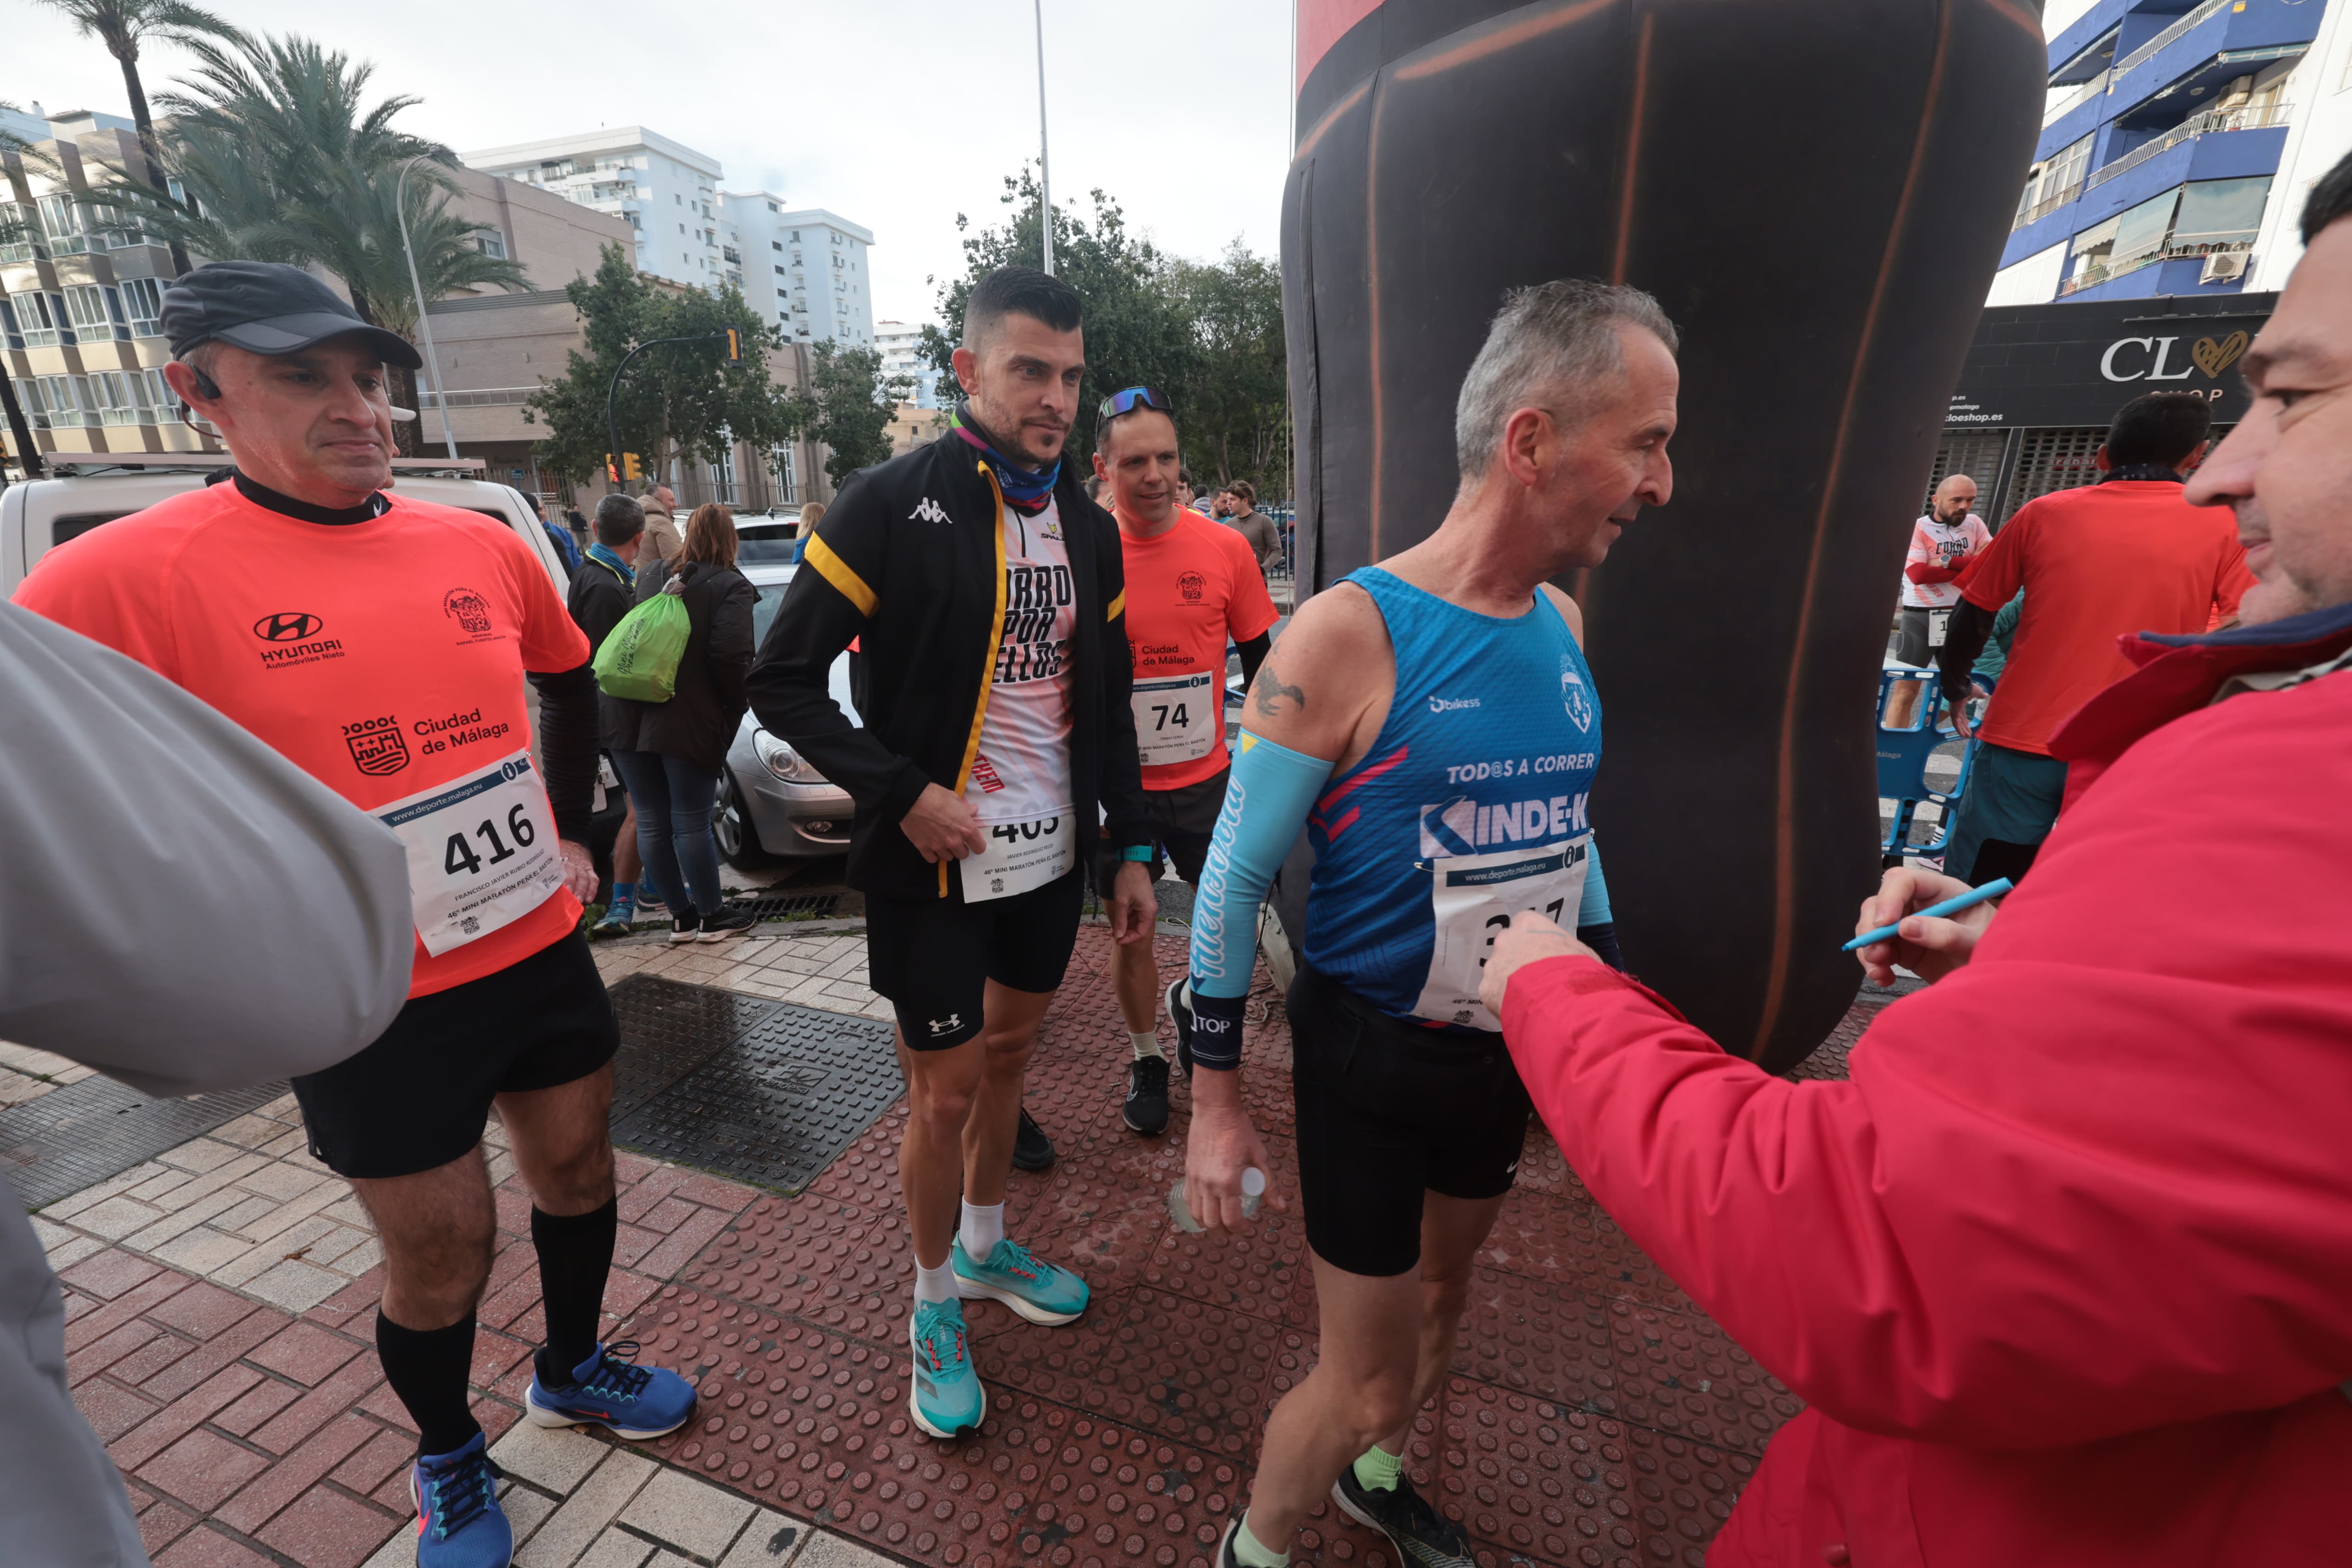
(946, 1397)
(631, 1401)
(618, 914)
(1017, 1277)
(459, 1524)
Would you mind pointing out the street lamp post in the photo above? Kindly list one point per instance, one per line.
(1045, 170)
(423, 318)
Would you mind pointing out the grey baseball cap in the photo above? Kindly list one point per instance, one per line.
(266, 308)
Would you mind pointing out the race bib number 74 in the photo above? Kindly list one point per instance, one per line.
(482, 852)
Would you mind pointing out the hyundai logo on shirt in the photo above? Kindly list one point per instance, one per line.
(287, 625)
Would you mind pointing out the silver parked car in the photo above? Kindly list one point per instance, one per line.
(772, 803)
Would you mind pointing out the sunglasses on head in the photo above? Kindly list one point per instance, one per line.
(1133, 398)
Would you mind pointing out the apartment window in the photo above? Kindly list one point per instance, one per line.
(785, 472)
(67, 400)
(142, 306)
(2216, 214)
(779, 272)
(40, 320)
(2140, 231)
(160, 393)
(10, 338)
(63, 219)
(796, 236)
(491, 243)
(775, 245)
(680, 199)
(121, 397)
(722, 479)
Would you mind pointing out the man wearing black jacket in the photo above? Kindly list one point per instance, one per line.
(987, 597)
(603, 590)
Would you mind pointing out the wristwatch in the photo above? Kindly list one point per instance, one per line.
(1136, 852)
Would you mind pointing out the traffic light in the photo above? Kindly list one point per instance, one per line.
(629, 466)
(734, 345)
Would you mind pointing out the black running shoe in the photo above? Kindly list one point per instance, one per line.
(687, 927)
(726, 922)
(1147, 1095)
(1179, 1013)
(1032, 1150)
(1424, 1538)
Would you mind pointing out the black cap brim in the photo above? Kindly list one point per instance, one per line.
(291, 334)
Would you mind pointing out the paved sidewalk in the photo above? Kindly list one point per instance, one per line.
(220, 1301)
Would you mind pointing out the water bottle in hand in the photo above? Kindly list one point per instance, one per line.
(1253, 1194)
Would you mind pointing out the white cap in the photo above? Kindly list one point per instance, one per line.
(1253, 1182)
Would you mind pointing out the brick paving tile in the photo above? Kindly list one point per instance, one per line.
(151, 1358)
(214, 1356)
(106, 1350)
(326, 1528)
(201, 1469)
(295, 1473)
(180, 1418)
(205, 1547)
(110, 1408)
(384, 1455)
(161, 1523)
(304, 1352)
(264, 1400)
(106, 1316)
(320, 1406)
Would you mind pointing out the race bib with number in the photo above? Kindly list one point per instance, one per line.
(1176, 718)
(482, 852)
(1020, 856)
(1473, 897)
(1939, 625)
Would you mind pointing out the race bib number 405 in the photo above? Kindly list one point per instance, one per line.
(1020, 856)
(482, 852)
(1176, 718)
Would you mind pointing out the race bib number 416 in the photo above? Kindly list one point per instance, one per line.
(482, 852)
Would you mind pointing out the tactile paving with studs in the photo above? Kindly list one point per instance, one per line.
(1595, 1416)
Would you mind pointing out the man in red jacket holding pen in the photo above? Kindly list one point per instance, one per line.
(2063, 1270)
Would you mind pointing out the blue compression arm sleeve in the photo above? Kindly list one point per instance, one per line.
(1595, 909)
(1266, 803)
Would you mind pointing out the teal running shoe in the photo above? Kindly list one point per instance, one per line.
(1017, 1277)
(945, 1397)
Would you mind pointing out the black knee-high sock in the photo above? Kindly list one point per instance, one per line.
(575, 1257)
(428, 1368)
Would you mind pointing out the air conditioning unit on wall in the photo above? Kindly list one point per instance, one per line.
(2225, 266)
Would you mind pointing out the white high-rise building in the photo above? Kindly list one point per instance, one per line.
(667, 191)
(902, 355)
(805, 268)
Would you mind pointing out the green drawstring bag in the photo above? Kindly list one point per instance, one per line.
(639, 660)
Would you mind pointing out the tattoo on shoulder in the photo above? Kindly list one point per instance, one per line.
(1268, 693)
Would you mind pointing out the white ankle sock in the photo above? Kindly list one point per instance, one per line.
(935, 1285)
(982, 1229)
(1146, 1043)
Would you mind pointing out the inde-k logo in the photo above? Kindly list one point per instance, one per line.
(929, 511)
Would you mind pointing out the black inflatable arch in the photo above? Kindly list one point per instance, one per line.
(1818, 192)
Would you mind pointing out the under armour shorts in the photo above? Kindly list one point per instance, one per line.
(934, 957)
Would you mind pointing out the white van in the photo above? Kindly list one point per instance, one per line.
(88, 491)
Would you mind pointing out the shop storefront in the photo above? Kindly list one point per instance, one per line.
(2042, 380)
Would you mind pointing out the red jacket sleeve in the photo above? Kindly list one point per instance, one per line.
(2089, 1184)
(1925, 571)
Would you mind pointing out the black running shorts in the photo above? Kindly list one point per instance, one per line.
(1181, 820)
(1918, 635)
(1387, 1110)
(419, 1096)
(934, 957)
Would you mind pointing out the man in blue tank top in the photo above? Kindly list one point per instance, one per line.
(1432, 724)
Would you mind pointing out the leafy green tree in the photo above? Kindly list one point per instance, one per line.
(283, 160)
(1235, 403)
(848, 407)
(1209, 334)
(123, 26)
(680, 399)
(1135, 331)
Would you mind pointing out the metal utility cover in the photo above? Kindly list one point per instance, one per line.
(94, 1130)
(767, 1092)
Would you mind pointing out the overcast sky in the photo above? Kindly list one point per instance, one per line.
(895, 115)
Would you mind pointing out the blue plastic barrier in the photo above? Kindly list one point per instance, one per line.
(1903, 756)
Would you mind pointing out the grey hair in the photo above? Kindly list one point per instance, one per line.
(619, 519)
(1547, 344)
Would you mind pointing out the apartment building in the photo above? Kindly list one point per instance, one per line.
(903, 357)
(806, 269)
(81, 296)
(2162, 161)
(664, 191)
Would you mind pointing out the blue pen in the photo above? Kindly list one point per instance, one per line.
(1967, 900)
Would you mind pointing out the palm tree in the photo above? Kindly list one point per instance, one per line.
(282, 161)
(123, 26)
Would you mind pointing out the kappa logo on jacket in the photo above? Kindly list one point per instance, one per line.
(931, 510)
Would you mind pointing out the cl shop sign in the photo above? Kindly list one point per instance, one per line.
(2153, 359)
